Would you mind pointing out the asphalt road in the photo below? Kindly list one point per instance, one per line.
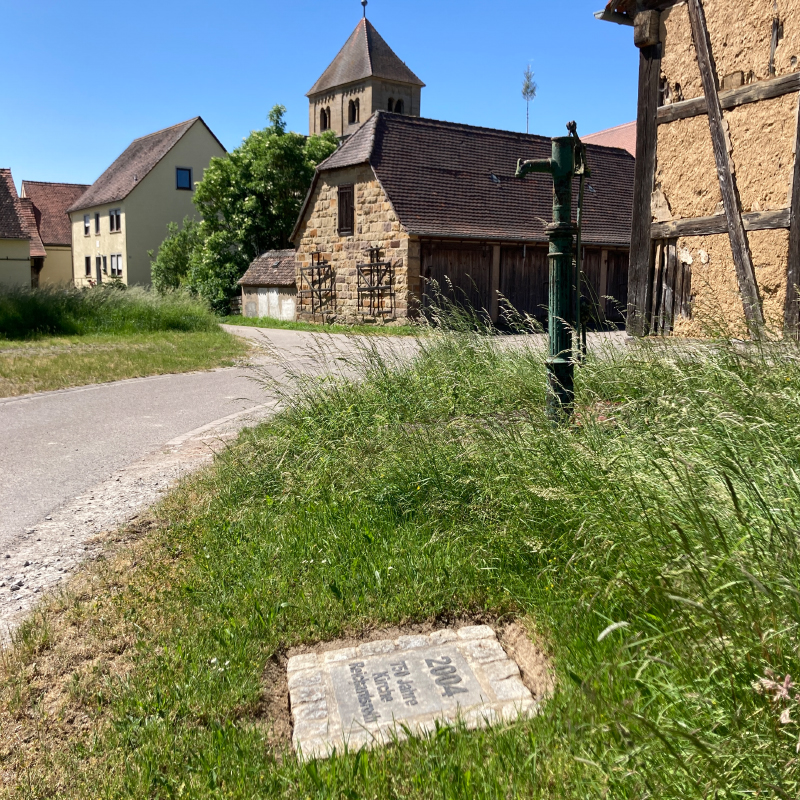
(56, 445)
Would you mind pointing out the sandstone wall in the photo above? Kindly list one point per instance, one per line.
(376, 224)
(761, 140)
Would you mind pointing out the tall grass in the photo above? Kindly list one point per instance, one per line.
(26, 313)
(653, 543)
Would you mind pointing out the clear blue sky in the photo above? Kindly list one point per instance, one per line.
(83, 80)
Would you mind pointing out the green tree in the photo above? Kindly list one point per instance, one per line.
(171, 266)
(249, 201)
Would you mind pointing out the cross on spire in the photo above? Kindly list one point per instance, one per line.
(364, 4)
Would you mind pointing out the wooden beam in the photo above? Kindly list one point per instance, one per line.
(709, 226)
(763, 90)
(792, 316)
(740, 247)
(640, 270)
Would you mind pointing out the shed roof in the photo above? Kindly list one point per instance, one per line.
(450, 180)
(364, 55)
(50, 204)
(11, 224)
(141, 156)
(273, 268)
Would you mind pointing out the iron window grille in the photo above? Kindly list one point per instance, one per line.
(321, 291)
(376, 292)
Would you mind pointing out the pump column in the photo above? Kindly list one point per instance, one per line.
(561, 232)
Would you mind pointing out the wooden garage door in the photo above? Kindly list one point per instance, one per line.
(524, 279)
(461, 272)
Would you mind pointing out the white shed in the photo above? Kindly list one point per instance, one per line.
(269, 287)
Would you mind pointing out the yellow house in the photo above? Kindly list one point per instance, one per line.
(125, 212)
(15, 241)
(49, 203)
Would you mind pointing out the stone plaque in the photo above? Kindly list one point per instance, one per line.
(371, 694)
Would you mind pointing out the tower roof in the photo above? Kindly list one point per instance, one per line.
(364, 55)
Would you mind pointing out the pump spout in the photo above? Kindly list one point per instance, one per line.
(536, 165)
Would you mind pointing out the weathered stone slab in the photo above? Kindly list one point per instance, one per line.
(372, 694)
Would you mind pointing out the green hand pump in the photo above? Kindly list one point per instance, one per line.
(567, 162)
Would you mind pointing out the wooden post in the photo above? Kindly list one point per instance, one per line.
(793, 270)
(727, 183)
(640, 270)
(603, 287)
(494, 283)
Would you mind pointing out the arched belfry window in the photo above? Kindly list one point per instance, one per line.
(353, 111)
(324, 119)
(398, 107)
(391, 104)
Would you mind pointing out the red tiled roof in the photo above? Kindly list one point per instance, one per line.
(365, 54)
(273, 268)
(28, 220)
(11, 226)
(122, 177)
(457, 181)
(50, 204)
(622, 136)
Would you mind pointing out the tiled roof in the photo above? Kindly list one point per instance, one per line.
(364, 55)
(11, 226)
(623, 136)
(50, 204)
(28, 220)
(120, 179)
(457, 181)
(273, 268)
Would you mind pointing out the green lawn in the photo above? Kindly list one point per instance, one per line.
(58, 362)
(367, 330)
(653, 545)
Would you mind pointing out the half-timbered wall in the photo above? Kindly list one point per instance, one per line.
(716, 239)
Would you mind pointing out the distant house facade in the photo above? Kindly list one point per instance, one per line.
(408, 207)
(49, 203)
(16, 248)
(269, 287)
(125, 213)
(366, 76)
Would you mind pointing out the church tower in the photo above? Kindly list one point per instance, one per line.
(365, 77)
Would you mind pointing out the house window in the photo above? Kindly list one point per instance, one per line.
(86, 223)
(116, 265)
(88, 265)
(398, 107)
(347, 211)
(391, 104)
(183, 179)
(353, 111)
(97, 223)
(115, 220)
(324, 119)
(105, 265)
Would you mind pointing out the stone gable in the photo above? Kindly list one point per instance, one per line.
(376, 225)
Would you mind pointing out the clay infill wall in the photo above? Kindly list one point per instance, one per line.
(750, 42)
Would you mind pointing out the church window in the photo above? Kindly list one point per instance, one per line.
(324, 119)
(398, 107)
(353, 111)
(347, 211)
(391, 104)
